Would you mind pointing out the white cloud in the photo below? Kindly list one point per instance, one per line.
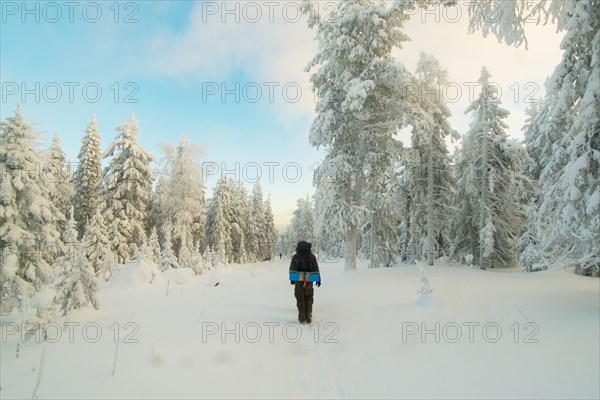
(221, 39)
(268, 42)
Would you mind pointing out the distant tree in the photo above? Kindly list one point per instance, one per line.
(126, 190)
(88, 176)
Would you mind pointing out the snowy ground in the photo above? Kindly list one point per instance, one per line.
(494, 334)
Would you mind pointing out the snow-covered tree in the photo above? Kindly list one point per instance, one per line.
(126, 190)
(209, 259)
(157, 198)
(87, 177)
(154, 246)
(270, 231)
(359, 85)
(197, 263)
(243, 205)
(405, 204)
(303, 221)
(257, 223)
(238, 248)
(218, 229)
(535, 138)
(28, 235)
(239, 229)
(490, 214)
(431, 182)
(235, 215)
(77, 285)
(181, 198)
(532, 257)
(406, 255)
(57, 179)
(167, 257)
(144, 252)
(97, 246)
(577, 80)
(568, 215)
(380, 233)
(465, 220)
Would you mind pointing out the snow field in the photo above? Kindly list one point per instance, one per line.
(233, 333)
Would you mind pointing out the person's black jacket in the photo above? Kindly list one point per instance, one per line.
(304, 260)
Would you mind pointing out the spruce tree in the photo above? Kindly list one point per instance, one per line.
(259, 237)
(431, 181)
(218, 229)
(181, 198)
(28, 219)
(57, 179)
(154, 246)
(97, 245)
(77, 286)
(167, 257)
(488, 201)
(270, 231)
(568, 217)
(87, 177)
(127, 183)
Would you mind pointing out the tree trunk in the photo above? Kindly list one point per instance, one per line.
(351, 243)
(483, 197)
(430, 216)
(354, 192)
(406, 233)
(372, 261)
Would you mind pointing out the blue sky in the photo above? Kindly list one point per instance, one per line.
(168, 61)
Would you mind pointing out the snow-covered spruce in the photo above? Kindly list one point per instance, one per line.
(232, 233)
(153, 246)
(303, 221)
(264, 235)
(126, 188)
(87, 177)
(569, 214)
(379, 233)
(270, 232)
(167, 257)
(180, 198)
(97, 247)
(431, 182)
(218, 228)
(565, 131)
(76, 285)
(57, 179)
(490, 215)
(28, 219)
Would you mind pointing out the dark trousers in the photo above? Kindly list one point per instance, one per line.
(304, 293)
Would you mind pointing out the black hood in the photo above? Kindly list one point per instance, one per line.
(303, 247)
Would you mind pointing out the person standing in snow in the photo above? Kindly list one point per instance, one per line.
(304, 261)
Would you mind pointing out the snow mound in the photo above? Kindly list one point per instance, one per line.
(427, 300)
(136, 273)
(43, 298)
(181, 276)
